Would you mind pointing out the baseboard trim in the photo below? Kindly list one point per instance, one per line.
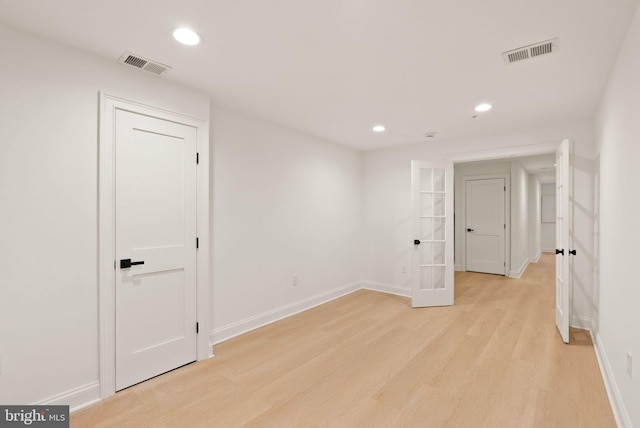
(615, 399)
(386, 288)
(580, 322)
(535, 258)
(76, 398)
(548, 250)
(518, 273)
(246, 325)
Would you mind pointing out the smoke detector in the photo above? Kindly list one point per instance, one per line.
(531, 51)
(143, 63)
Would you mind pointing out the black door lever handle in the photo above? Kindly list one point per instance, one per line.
(560, 251)
(127, 263)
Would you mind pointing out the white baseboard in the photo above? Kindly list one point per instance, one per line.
(76, 398)
(229, 331)
(615, 399)
(548, 250)
(581, 322)
(386, 288)
(518, 273)
(535, 258)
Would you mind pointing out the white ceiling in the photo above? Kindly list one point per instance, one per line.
(334, 68)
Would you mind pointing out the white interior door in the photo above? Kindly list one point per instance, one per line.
(155, 245)
(432, 200)
(563, 237)
(485, 225)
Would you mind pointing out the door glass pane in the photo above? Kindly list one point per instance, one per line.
(426, 204)
(426, 253)
(438, 277)
(438, 180)
(425, 278)
(438, 204)
(438, 253)
(426, 225)
(426, 181)
(438, 229)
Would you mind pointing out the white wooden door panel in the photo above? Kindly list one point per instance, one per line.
(155, 223)
(564, 216)
(432, 200)
(485, 225)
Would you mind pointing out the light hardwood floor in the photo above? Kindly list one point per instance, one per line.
(369, 360)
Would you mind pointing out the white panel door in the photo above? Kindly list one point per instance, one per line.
(563, 237)
(485, 225)
(432, 200)
(155, 224)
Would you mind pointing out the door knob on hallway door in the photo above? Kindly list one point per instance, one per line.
(127, 263)
(469, 230)
(416, 242)
(572, 252)
(560, 251)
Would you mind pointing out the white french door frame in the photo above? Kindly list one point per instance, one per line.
(461, 217)
(109, 104)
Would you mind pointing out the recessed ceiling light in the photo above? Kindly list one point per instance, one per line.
(186, 36)
(483, 107)
(379, 128)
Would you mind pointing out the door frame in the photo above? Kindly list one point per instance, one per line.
(106, 230)
(463, 217)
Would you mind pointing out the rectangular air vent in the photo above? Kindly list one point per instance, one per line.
(527, 52)
(143, 63)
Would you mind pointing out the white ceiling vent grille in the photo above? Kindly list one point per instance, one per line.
(531, 51)
(142, 63)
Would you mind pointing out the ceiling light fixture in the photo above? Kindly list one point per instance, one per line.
(483, 107)
(379, 128)
(186, 36)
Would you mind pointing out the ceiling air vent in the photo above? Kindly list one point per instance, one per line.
(142, 63)
(527, 52)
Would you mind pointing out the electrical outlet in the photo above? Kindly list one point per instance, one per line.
(404, 268)
(629, 364)
(294, 280)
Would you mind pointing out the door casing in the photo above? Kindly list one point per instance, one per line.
(109, 104)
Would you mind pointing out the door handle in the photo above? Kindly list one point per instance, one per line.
(572, 252)
(559, 251)
(416, 242)
(469, 230)
(127, 263)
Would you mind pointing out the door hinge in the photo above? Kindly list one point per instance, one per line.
(505, 264)
(197, 158)
(197, 243)
(197, 327)
(505, 188)
(505, 226)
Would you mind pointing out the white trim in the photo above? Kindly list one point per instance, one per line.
(504, 153)
(232, 330)
(549, 250)
(386, 288)
(584, 323)
(76, 398)
(615, 399)
(106, 230)
(519, 272)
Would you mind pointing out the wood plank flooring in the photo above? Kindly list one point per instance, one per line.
(368, 359)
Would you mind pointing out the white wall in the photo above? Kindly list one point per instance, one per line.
(618, 128)
(48, 209)
(534, 217)
(548, 230)
(283, 203)
(470, 169)
(519, 219)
